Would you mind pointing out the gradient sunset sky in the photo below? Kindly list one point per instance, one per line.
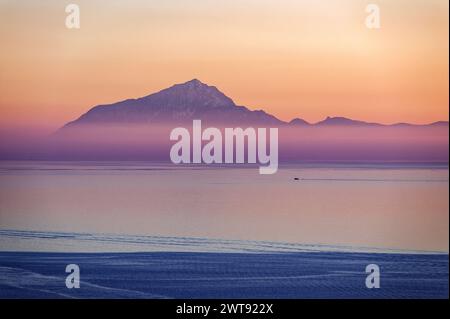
(307, 59)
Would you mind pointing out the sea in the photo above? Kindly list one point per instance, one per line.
(158, 230)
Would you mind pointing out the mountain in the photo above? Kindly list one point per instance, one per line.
(298, 121)
(182, 103)
(344, 121)
(179, 103)
(439, 123)
(140, 129)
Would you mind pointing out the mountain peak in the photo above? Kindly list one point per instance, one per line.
(191, 94)
(194, 82)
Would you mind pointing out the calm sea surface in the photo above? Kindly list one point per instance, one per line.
(386, 206)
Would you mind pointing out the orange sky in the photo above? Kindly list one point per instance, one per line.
(304, 59)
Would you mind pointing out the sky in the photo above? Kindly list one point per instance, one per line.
(307, 59)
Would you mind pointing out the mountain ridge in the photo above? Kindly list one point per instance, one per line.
(196, 100)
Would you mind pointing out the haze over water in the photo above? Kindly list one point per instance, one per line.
(388, 206)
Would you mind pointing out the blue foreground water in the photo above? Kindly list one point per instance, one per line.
(205, 268)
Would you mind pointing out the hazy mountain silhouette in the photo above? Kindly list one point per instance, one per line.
(139, 129)
(195, 100)
(344, 121)
(298, 121)
(179, 103)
